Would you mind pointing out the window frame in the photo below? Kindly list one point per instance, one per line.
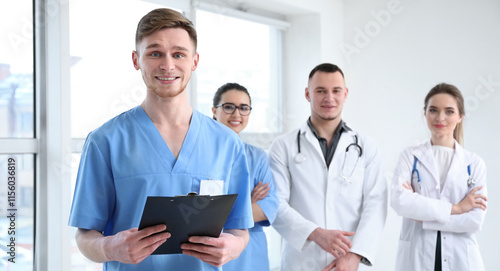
(53, 168)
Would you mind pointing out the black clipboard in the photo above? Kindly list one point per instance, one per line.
(186, 216)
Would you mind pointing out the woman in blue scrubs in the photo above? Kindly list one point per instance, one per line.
(232, 107)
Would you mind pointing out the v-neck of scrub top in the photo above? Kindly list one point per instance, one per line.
(161, 147)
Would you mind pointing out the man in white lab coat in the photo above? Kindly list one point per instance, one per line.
(333, 197)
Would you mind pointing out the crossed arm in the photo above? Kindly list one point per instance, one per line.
(259, 192)
(469, 202)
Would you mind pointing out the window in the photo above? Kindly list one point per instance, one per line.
(16, 71)
(229, 52)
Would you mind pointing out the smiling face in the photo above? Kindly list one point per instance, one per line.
(327, 93)
(235, 121)
(442, 115)
(166, 59)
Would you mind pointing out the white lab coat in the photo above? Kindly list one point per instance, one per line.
(417, 243)
(311, 196)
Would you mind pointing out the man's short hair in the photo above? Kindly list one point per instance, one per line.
(325, 67)
(162, 18)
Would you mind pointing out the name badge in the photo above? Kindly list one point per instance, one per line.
(211, 187)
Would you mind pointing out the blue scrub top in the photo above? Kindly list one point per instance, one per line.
(255, 255)
(126, 160)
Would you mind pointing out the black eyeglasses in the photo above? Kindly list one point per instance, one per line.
(229, 108)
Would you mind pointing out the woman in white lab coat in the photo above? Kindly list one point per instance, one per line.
(439, 189)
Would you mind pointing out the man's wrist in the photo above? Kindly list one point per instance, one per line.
(103, 247)
(314, 234)
(357, 256)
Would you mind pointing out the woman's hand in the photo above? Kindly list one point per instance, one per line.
(407, 186)
(471, 201)
(260, 191)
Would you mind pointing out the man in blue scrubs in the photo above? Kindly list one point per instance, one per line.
(161, 148)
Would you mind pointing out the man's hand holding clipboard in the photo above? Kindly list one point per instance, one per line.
(195, 225)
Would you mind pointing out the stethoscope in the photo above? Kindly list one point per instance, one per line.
(470, 182)
(299, 157)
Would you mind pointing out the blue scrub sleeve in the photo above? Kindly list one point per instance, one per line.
(94, 197)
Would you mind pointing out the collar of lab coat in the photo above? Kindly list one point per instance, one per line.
(345, 139)
(305, 131)
(425, 156)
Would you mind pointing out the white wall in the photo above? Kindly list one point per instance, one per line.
(392, 62)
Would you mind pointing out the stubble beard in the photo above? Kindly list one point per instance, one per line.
(167, 94)
(327, 117)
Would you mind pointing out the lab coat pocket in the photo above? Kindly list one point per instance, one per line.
(403, 257)
(474, 258)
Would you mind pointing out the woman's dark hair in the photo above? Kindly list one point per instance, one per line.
(227, 87)
(452, 90)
